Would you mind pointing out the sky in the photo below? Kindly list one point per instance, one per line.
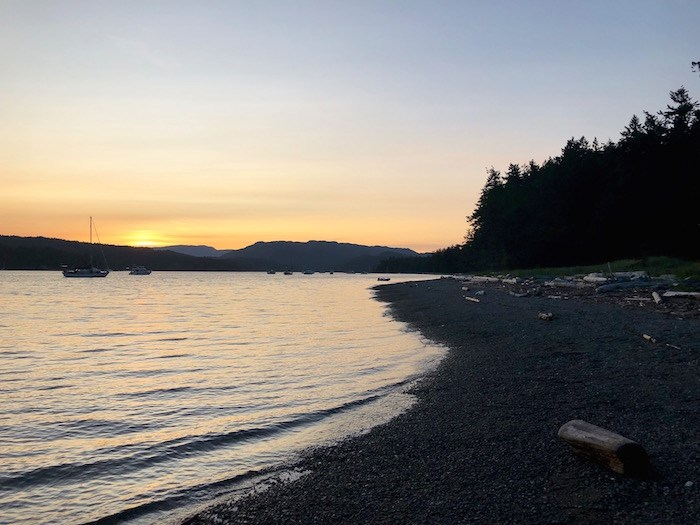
(372, 122)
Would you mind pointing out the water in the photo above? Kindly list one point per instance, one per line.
(133, 398)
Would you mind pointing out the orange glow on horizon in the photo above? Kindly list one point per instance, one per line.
(145, 239)
(417, 233)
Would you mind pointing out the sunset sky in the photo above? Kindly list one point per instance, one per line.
(372, 122)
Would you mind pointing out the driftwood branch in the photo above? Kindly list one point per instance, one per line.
(692, 295)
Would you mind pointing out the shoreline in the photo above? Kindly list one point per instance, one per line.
(480, 445)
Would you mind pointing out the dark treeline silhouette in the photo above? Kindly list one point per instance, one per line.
(40, 253)
(35, 253)
(592, 203)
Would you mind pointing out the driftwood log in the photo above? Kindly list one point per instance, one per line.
(607, 448)
(630, 284)
(483, 279)
(562, 283)
(693, 295)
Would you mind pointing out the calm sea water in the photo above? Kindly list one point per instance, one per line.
(136, 398)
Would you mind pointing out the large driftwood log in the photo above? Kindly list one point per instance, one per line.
(609, 449)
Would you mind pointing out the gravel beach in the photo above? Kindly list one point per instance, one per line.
(481, 446)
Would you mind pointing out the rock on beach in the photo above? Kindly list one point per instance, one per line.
(481, 445)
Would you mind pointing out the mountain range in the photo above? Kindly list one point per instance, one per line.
(311, 255)
(35, 253)
(199, 250)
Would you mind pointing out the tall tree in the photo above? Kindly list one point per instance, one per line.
(679, 117)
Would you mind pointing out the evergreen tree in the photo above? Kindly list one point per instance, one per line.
(592, 203)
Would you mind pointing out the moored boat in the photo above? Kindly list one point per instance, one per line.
(85, 272)
(139, 270)
(90, 271)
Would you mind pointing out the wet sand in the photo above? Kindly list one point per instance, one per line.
(481, 446)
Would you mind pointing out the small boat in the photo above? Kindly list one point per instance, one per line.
(308, 272)
(288, 272)
(91, 271)
(139, 270)
(271, 272)
(85, 272)
(383, 278)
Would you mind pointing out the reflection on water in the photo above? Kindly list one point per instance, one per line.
(128, 395)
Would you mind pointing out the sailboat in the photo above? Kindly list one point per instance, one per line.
(87, 272)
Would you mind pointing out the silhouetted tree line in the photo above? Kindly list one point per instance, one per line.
(593, 203)
(34, 253)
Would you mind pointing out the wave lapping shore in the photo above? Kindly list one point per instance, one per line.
(481, 444)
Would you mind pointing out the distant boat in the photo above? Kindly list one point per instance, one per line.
(271, 272)
(87, 272)
(383, 278)
(308, 272)
(139, 270)
(288, 272)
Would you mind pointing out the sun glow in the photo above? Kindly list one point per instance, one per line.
(145, 239)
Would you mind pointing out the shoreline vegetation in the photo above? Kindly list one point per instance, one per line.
(481, 445)
(593, 202)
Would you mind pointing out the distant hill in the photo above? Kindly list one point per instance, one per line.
(317, 255)
(200, 250)
(42, 253)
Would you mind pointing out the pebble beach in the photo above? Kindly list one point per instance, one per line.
(480, 444)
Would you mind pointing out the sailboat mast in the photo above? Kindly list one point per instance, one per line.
(91, 265)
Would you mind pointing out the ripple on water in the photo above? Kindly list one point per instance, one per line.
(176, 393)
